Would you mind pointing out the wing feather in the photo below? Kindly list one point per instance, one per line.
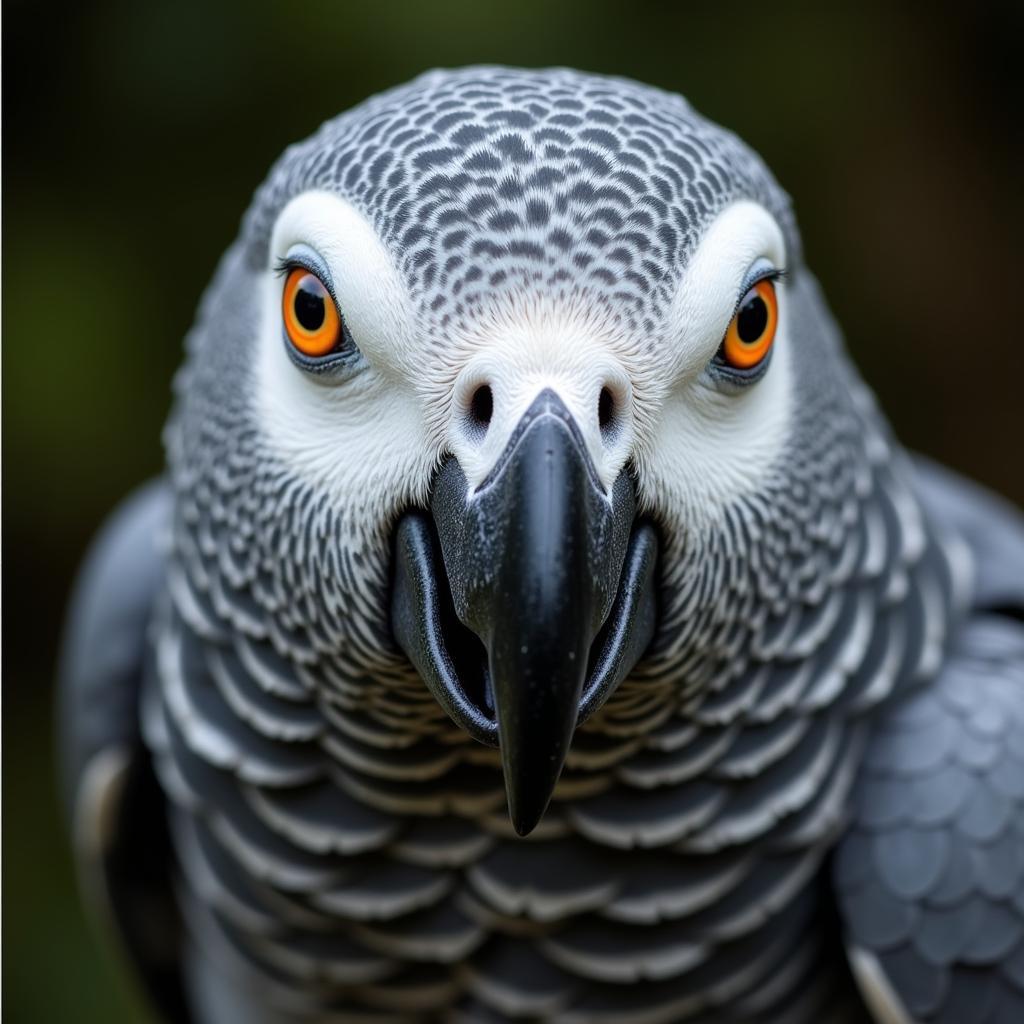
(113, 801)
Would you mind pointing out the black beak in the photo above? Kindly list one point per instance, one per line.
(544, 604)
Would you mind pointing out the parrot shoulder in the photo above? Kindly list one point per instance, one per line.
(930, 876)
(113, 804)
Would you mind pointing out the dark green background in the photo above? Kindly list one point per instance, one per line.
(134, 134)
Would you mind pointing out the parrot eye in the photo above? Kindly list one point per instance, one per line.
(311, 319)
(749, 338)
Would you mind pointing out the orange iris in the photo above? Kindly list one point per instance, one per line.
(310, 317)
(752, 331)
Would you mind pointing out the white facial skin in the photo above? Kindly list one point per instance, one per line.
(361, 436)
(373, 435)
(711, 445)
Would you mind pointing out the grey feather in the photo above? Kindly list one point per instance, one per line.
(930, 877)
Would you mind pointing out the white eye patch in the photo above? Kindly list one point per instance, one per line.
(371, 295)
(710, 446)
(711, 284)
(361, 438)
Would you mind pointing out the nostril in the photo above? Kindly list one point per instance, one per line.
(606, 409)
(481, 406)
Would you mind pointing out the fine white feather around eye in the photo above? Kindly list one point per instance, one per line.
(745, 235)
(717, 439)
(367, 287)
(354, 433)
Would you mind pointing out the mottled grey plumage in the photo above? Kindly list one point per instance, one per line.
(342, 850)
(931, 874)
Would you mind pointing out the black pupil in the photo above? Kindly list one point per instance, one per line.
(309, 304)
(752, 318)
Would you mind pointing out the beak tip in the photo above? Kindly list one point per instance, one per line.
(526, 819)
(523, 828)
(529, 793)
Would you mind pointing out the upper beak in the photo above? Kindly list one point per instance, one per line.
(553, 578)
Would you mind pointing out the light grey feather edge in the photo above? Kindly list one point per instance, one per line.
(930, 878)
(99, 747)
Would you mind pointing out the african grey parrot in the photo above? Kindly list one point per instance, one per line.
(537, 619)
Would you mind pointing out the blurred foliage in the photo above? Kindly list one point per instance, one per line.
(135, 133)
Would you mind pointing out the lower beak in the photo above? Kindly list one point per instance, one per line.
(546, 600)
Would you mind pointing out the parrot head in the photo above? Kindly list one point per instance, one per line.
(514, 405)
